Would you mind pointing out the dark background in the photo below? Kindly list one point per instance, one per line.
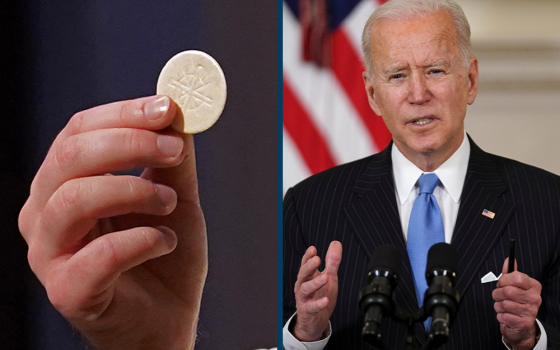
(57, 58)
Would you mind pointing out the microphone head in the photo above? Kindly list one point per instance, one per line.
(385, 256)
(442, 256)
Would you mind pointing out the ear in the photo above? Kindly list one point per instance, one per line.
(473, 80)
(370, 93)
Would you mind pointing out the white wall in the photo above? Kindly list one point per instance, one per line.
(517, 111)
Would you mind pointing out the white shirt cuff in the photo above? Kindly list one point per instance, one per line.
(541, 344)
(291, 343)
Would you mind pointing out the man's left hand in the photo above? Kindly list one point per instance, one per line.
(517, 301)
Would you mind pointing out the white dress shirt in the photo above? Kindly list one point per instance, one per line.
(448, 195)
(451, 175)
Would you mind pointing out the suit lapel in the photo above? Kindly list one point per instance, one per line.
(374, 217)
(475, 235)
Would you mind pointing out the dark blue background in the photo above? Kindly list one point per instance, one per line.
(57, 60)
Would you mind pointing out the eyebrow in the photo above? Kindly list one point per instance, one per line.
(396, 69)
(393, 70)
(437, 63)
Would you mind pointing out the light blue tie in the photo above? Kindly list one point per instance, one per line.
(425, 229)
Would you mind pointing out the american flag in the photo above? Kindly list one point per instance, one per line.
(327, 118)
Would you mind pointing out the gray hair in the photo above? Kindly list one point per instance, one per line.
(409, 9)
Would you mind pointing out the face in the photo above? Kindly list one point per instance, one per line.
(420, 86)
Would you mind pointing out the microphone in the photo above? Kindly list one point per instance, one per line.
(376, 298)
(441, 299)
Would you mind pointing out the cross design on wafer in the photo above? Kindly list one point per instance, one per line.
(195, 81)
(190, 87)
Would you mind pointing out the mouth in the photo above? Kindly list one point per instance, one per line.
(422, 120)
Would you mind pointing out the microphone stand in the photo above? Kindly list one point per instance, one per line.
(439, 296)
(410, 319)
(441, 299)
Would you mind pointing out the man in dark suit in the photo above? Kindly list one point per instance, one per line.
(420, 77)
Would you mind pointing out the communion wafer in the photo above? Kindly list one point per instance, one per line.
(195, 81)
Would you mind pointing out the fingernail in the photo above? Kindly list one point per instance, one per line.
(171, 146)
(156, 108)
(311, 261)
(170, 237)
(165, 194)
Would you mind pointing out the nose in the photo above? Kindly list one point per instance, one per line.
(418, 93)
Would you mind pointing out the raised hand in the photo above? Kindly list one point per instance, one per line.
(316, 292)
(123, 258)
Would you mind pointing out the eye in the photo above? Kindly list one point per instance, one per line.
(436, 71)
(395, 76)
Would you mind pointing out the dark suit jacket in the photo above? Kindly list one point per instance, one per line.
(356, 204)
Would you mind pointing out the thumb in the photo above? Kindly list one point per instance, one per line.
(333, 258)
(182, 178)
(506, 265)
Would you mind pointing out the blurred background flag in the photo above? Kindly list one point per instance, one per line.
(327, 119)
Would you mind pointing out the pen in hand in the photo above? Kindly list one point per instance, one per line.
(511, 262)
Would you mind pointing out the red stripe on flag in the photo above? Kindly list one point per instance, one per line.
(307, 138)
(347, 68)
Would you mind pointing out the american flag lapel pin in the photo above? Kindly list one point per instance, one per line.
(488, 213)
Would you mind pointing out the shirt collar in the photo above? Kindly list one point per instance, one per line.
(451, 173)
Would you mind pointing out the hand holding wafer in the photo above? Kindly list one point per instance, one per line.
(123, 258)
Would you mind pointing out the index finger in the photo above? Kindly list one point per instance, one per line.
(308, 270)
(150, 113)
(156, 112)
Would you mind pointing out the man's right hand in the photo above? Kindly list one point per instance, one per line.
(316, 292)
